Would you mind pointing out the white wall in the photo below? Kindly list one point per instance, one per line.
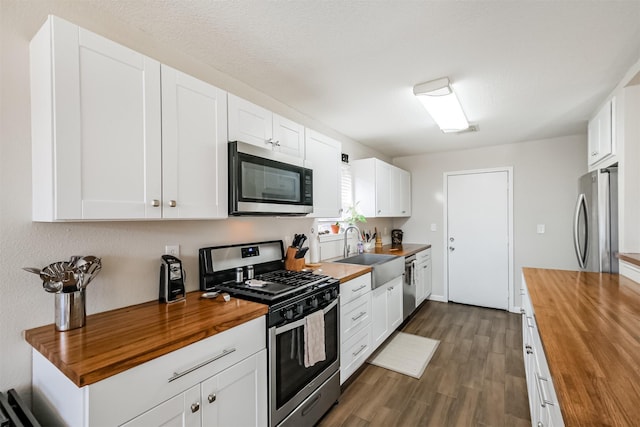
(130, 250)
(545, 187)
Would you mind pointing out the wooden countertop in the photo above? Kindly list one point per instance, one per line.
(406, 249)
(590, 329)
(346, 272)
(117, 340)
(343, 272)
(630, 258)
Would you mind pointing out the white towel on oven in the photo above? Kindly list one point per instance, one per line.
(314, 351)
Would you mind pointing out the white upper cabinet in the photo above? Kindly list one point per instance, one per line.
(324, 155)
(383, 190)
(288, 136)
(194, 147)
(95, 127)
(113, 140)
(258, 126)
(601, 135)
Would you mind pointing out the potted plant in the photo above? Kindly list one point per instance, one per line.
(335, 228)
(353, 215)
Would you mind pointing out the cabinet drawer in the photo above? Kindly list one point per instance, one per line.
(423, 255)
(355, 316)
(123, 396)
(353, 289)
(354, 353)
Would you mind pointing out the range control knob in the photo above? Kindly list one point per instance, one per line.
(326, 296)
(314, 302)
(299, 308)
(334, 293)
(288, 313)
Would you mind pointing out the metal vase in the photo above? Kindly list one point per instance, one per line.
(70, 310)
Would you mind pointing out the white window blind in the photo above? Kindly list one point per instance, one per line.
(347, 188)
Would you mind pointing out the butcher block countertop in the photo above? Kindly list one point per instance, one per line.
(346, 272)
(114, 341)
(406, 249)
(590, 329)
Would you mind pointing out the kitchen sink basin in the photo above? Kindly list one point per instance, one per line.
(385, 267)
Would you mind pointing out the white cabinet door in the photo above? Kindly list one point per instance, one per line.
(249, 123)
(404, 192)
(379, 316)
(394, 303)
(238, 395)
(182, 410)
(96, 127)
(600, 133)
(383, 189)
(324, 154)
(194, 147)
(288, 136)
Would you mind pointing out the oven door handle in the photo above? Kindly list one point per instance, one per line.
(298, 323)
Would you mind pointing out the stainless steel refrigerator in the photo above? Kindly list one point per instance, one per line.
(595, 229)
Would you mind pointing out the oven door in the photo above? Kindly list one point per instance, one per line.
(290, 383)
(267, 182)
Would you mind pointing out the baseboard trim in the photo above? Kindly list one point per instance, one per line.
(439, 298)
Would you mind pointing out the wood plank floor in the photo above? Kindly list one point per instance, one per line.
(475, 378)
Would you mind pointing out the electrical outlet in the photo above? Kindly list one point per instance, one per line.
(172, 250)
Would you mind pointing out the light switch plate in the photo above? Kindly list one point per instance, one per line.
(434, 227)
(172, 250)
(540, 228)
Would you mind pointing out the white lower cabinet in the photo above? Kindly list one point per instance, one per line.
(423, 276)
(543, 401)
(233, 397)
(386, 307)
(218, 381)
(355, 324)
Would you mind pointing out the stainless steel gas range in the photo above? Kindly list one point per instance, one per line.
(298, 394)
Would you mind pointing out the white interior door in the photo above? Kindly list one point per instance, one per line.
(478, 221)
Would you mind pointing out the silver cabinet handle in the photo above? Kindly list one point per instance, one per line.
(195, 407)
(155, 203)
(451, 248)
(528, 322)
(362, 347)
(276, 143)
(211, 398)
(172, 203)
(451, 239)
(390, 289)
(523, 311)
(359, 289)
(544, 401)
(362, 313)
(224, 353)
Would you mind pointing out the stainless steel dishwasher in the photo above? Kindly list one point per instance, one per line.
(409, 286)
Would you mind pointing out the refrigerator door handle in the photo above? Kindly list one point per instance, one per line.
(581, 205)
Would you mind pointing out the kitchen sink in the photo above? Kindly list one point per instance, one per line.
(385, 267)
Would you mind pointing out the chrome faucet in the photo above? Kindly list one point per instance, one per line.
(346, 247)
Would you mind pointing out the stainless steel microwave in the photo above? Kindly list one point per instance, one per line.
(266, 182)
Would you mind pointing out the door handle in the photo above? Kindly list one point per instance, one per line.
(581, 205)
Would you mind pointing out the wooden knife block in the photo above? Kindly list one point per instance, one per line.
(290, 262)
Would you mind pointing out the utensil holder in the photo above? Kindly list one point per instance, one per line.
(70, 310)
(291, 263)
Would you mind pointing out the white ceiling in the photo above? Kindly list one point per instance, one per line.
(523, 70)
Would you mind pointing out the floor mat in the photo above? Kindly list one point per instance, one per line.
(405, 353)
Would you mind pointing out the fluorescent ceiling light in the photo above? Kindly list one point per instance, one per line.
(442, 105)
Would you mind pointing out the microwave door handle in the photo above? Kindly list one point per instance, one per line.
(581, 205)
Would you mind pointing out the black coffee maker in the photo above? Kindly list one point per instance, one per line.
(396, 237)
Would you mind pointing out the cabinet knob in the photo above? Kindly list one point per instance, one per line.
(211, 398)
(451, 248)
(172, 203)
(195, 407)
(155, 203)
(379, 211)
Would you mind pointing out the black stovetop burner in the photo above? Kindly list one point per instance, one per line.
(278, 285)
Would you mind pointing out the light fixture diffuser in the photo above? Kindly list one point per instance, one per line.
(442, 104)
